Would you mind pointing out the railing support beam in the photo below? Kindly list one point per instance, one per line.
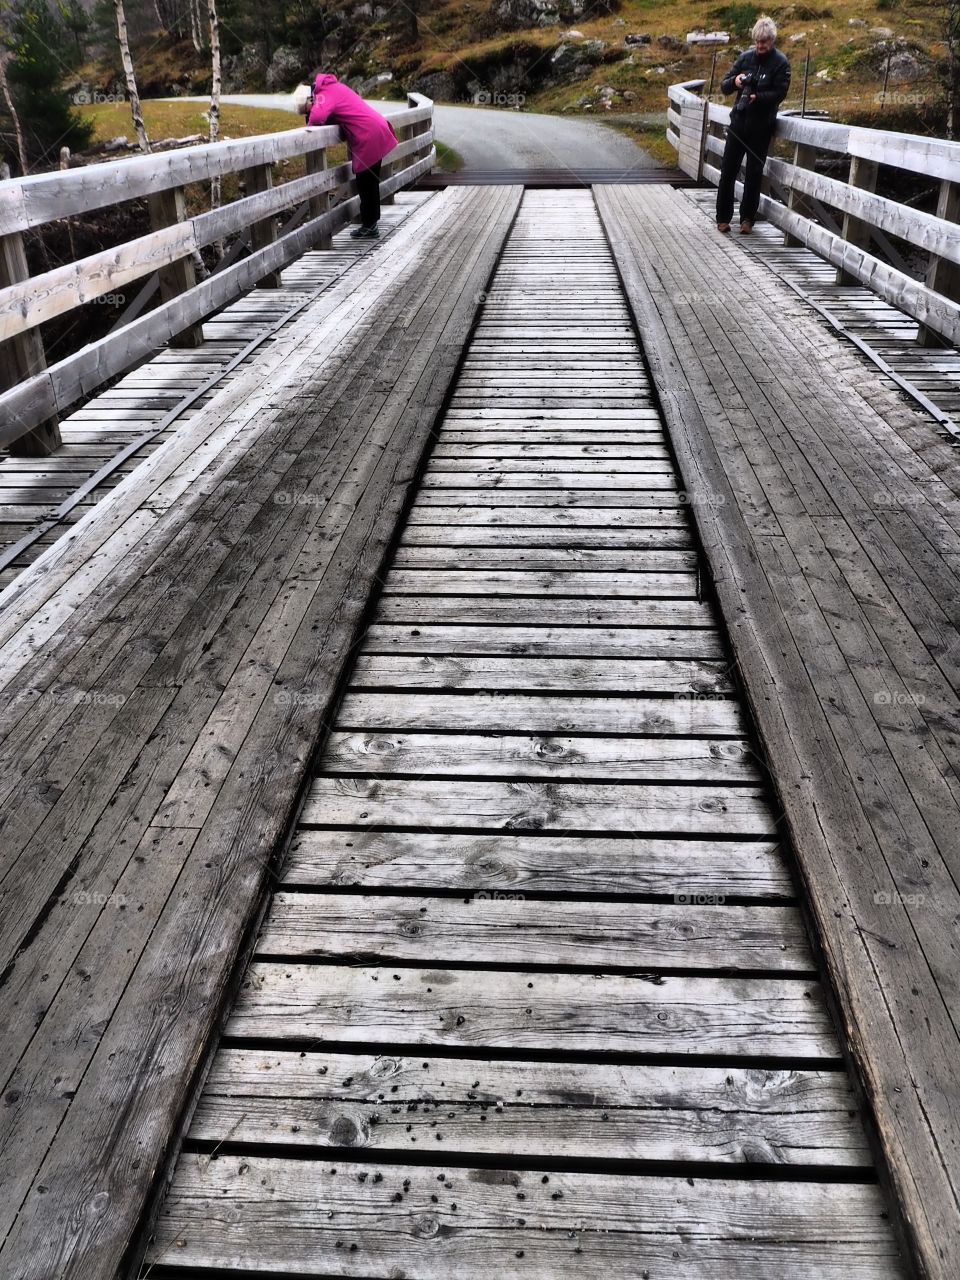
(863, 174)
(943, 276)
(316, 163)
(23, 356)
(804, 157)
(166, 208)
(262, 233)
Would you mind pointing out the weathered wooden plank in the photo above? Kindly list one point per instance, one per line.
(545, 641)
(776, 1017)
(547, 559)
(507, 863)
(575, 675)
(672, 532)
(430, 1223)
(531, 1109)
(506, 582)
(515, 932)
(550, 756)
(547, 713)
(536, 806)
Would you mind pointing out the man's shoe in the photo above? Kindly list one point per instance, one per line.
(365, 233)
(723, 226)
(746, 228)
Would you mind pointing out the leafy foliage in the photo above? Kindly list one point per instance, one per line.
(45, 47)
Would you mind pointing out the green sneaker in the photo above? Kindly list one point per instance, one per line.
(365, 233)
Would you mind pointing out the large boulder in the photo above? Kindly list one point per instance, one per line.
(246, 70)
(906, 67)
(286, 69)
(438, 85)
(518, 14)
(528, 13)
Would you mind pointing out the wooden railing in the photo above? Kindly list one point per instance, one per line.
(844, 221)
(35, 395)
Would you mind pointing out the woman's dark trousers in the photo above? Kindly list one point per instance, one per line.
(368, 189)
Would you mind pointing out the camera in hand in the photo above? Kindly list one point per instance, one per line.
(746, 89)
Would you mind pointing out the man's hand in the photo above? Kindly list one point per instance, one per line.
(739, 80)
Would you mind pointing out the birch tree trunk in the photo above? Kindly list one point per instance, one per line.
(132, 90)
(214, 95)
(194, 8)
(5, 57)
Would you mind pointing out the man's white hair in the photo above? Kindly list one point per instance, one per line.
(764, 28)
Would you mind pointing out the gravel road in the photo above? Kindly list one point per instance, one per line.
(503, 138)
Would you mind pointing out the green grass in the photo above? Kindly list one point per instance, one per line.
(182, 119)
(448, 160)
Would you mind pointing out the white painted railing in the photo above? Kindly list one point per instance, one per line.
(34, 395)
(802, 202)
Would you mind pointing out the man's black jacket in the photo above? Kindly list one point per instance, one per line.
(771, 82)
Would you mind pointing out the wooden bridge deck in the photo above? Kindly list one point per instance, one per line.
(549, 975)
(112, 434)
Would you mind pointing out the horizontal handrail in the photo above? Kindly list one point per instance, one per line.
(800, 201)
(40, 394)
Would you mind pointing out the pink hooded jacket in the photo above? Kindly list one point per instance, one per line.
(371, 137)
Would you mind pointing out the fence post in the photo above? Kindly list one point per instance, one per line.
(943, 276)
(804, 157)
(257, 179)
(863, 174)
(22, 357)
(166, 208)
(321, 204)
(403, 132)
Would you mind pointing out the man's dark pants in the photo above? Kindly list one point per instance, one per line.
(754, 144)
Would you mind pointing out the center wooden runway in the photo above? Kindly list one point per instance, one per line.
(535, 995)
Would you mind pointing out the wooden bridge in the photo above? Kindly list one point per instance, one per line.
(480, 729)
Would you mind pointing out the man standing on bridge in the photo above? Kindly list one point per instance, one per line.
(761, 78)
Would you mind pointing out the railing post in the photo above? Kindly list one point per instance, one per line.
(863, 174)
(804, 157)
(943, 276)
(22, 357)
(257, 179)
(321, 204)
(403, 132)
(704, 135)
(166, 208)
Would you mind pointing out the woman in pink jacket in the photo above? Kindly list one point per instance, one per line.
(370, 136)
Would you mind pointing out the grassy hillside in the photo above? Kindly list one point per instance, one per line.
(850, 60)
